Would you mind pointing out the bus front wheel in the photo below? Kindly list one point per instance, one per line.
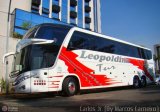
(69, 87)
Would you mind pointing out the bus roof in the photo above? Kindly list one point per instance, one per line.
(56, 25)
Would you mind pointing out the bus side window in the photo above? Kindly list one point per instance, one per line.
(78, 41)
(73, 40)
(143, 54)
(70, 46)
(148, 54)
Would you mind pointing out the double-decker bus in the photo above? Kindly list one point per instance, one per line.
(54, 57)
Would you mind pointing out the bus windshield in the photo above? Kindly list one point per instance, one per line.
(37, 56)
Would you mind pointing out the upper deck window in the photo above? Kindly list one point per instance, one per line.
(52, 33)
(80, 40)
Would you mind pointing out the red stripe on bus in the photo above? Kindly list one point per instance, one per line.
(84, 73)
(53, 81)
(55, 76)
(143, 66)
(54, 87)
(58, 76)
(55, 84)
(49, 77)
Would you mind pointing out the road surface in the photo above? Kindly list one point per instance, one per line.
(119, 99)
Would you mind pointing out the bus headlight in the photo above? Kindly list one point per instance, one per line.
(20, 80)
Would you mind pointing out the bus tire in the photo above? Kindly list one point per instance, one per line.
(143, 81)
(69, 87)
(136, 82)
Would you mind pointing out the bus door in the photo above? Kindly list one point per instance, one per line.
(39, 60)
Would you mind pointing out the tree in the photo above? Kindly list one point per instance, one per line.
(157, 60)
(17, 35)
(156, 57)
(3, 85)
(26, 25)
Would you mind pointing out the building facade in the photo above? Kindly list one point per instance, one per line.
(81, 13)
(28, 13)
(157, 57)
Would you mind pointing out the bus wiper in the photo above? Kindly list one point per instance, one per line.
(14, 73)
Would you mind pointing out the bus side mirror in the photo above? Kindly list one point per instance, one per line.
(7, 55)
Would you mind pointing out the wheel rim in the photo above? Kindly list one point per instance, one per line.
(71, 87)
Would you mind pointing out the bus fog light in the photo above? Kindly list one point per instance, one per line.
(22, 87)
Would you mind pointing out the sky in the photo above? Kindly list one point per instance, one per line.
(135, 21)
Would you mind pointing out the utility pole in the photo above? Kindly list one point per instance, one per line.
(7, 45)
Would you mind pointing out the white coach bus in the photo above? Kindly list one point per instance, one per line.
(69, 59)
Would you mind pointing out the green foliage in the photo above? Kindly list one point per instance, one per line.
(26, 25)
(17, 35)
(156, 57)
(3, 85)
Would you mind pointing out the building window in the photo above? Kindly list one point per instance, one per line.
(35, 6)
(73, 13)
(73, 16)
(87, 9)
(56, 2)
(87, 23)
(87, 14)
(45, 8)
(87, 1)
(73, 3)
(21, 23)
(87, 26)
(55, 9)
(23, 20)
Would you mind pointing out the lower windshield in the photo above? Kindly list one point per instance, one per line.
(35, 57)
